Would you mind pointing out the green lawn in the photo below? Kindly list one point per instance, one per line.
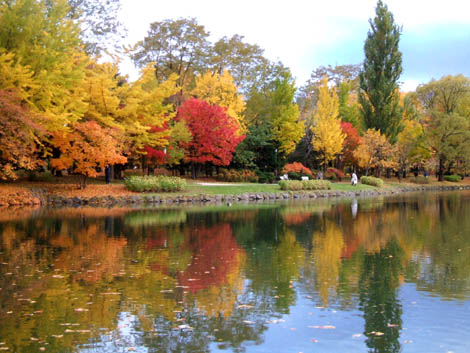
(238, 188)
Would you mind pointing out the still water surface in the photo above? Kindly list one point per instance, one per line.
(370, 275)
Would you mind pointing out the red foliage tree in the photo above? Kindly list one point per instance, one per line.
(157, 156)
(214, 133)
(353, 139)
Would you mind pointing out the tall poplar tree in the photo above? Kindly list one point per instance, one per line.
(378, 80)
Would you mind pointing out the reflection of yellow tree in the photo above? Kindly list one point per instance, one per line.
(327, 249)
(219, 300)
(290, 256)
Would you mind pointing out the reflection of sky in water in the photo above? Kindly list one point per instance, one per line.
(319, 276)
(127, 338)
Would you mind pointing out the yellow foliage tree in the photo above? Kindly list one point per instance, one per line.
(328, 137)
(375, 152)
(144, 104)
(220, 90)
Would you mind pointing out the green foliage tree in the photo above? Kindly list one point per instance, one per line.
(444, 119)
(175, 47)
(378, 80)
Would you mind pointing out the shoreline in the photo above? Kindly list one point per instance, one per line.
(42, 198)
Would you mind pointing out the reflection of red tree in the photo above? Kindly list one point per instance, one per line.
(351, 245)
(215, 255)
(296, 218)
(158, 240)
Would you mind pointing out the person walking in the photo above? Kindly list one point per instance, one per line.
(354, 179)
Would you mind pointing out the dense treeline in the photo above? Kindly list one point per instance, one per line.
(199, 104)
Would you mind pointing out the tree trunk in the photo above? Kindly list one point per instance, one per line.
(83, 180)
(440, 172)
(193, 170)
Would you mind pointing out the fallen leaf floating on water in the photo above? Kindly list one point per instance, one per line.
(57, 276)
(185, 327)
(57, 336)
(42, 349)
(4, 348)
(324, 327)
(78, 310)
(34, 339)
(392, 325)
(77, 331)
(357, 335)
(314, 340)
(244, 306)
(248, 322)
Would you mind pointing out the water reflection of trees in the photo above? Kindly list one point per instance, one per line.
(195, 277)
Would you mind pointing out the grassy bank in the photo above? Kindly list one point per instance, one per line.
(22, 192)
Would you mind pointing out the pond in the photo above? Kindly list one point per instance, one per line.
(378, 275)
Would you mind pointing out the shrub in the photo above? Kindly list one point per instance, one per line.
(296, 167)
(238, 175)
(419, 180)
(338, 173)
(295, 185)
(370, 180)
(454, 178)
(298, 176)
(330, 176)
(154, 183)
(290, 185)
(316, 185)
(162, 171)
(41, 177)
(265, 177)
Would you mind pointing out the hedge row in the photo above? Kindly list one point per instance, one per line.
(154, 183)
(370, 180)
(305, 185)
(453, 178)
(419, 180)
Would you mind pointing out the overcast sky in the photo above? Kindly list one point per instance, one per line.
(305, 34)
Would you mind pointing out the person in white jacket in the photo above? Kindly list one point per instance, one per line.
(354, 179)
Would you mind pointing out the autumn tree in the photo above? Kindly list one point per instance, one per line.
(339, 74)
(328, 138)
(38, 36)
(87, 147)
(378, 80)
(20, 136)
(351, 141)
(214, 136)
(375, 152)
(286, 127)
(410, 147)
(145, 105)
(444, 119)
(219, 89)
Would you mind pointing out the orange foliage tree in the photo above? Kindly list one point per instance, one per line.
(19, 136)
(87, 147)
(296, 167)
